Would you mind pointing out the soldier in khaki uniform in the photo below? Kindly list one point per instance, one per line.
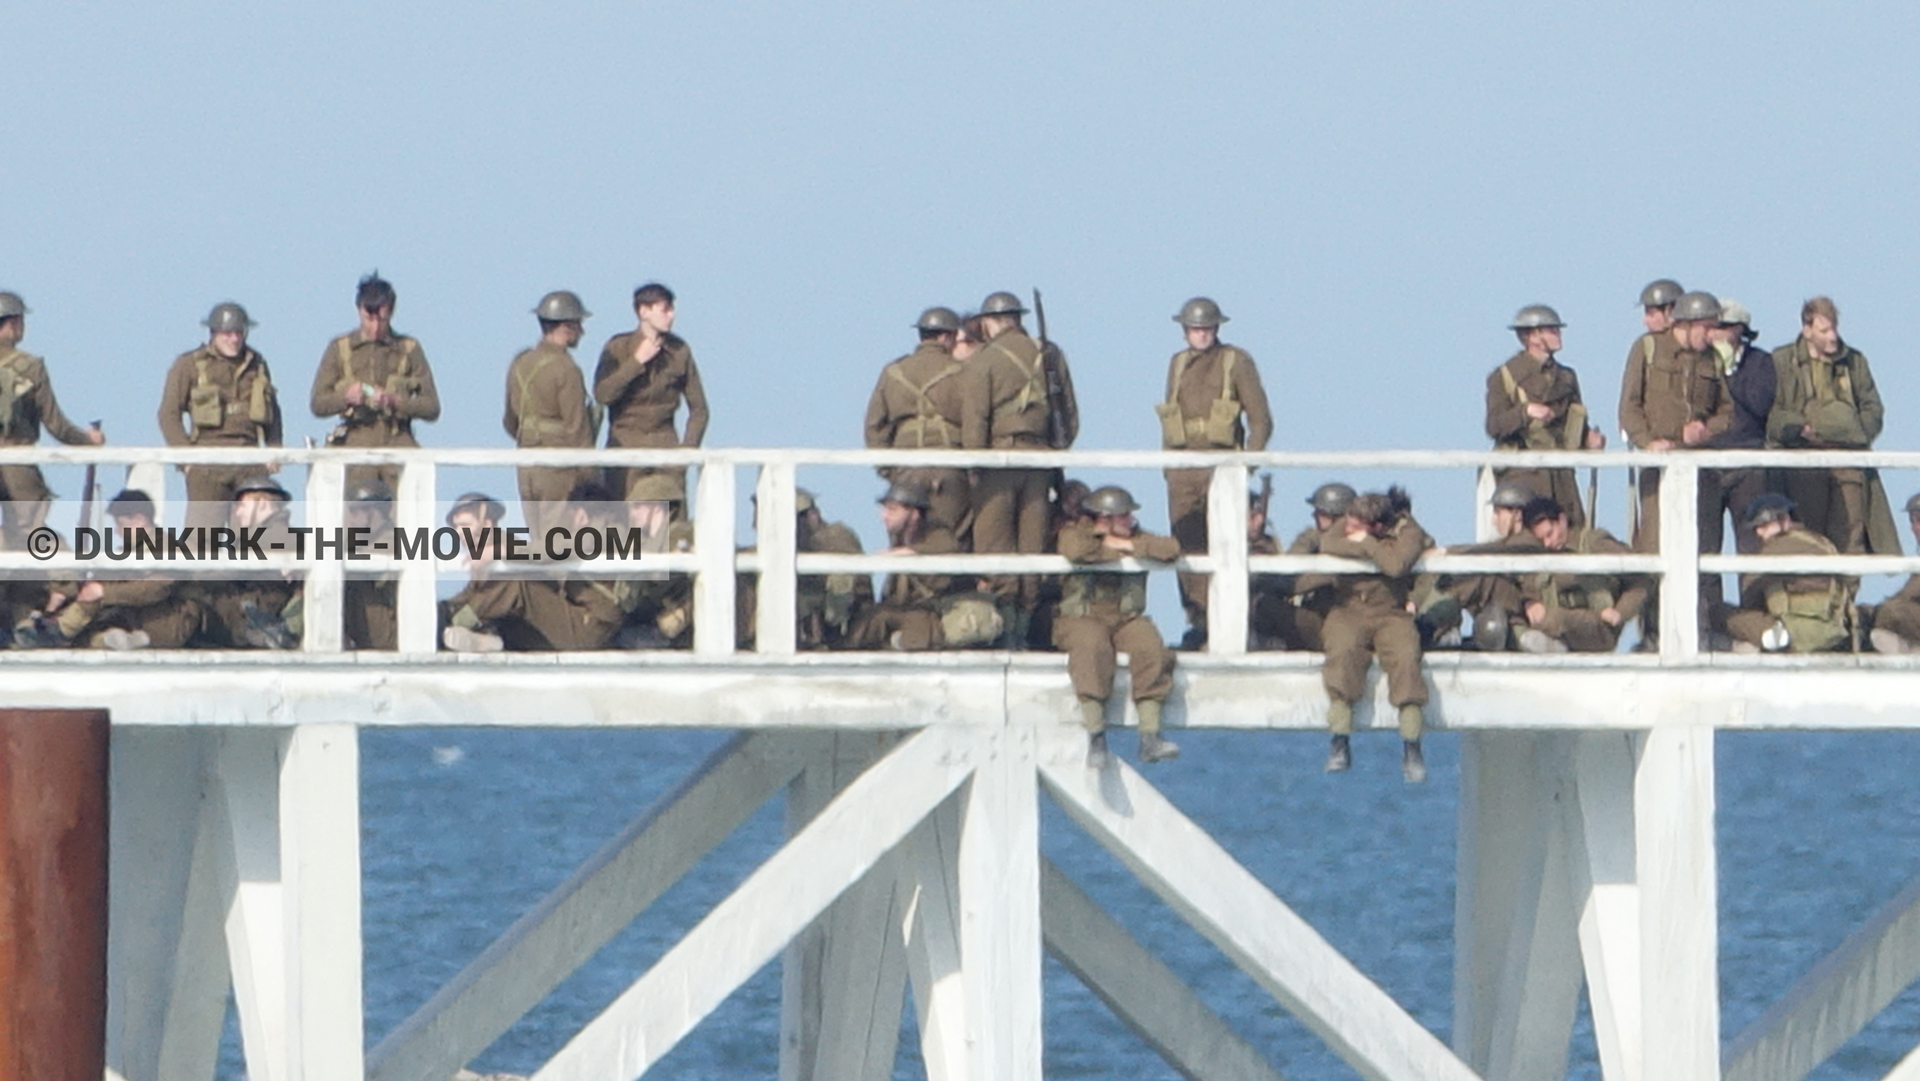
(1801, 612)
(1533, 403)
(547, 407)
(1825, 399)
(1370, 618)
(828, 605)
(1104, 612)
(1494, 600)
(370, 603)
(1583, 613)
(1289, 612)
(376, 381)
(1673, 397)
(533, 614)
(913, 608)
(917, 404)
(141, 612)
(662, 612)
(225, 389)
(1896, 620)
(250, 609)
(1214, 401)
(1006, 408)
(643, 378)
(26, 404)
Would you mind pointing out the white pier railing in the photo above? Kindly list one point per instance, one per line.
(912, 784)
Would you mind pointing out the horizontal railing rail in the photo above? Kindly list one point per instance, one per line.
(717, 558)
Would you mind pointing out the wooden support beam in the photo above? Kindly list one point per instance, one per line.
(745, 931)
(1517, 963)
(1675, 866)
(1836, 998)
(1000, 945)
(843, 979)
(246, 789)
(166, 954)
(571, 923)
(319, 790)
(1140, 989)
(1189, 870)
(1907, 1069)
(1600, 826)
(928, 865)
(1679, 561)
(713, 542)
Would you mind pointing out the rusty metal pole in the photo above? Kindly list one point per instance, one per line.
(53, 894)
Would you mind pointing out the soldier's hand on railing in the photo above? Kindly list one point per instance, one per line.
(1596, 439)
(1695, 433)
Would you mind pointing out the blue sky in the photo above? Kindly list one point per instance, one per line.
(1369, 190)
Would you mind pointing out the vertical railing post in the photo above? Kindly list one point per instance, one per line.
(416, 598)
(321, 607)
(775, 538)
(713, 542)
(1227, 546)
(1679, 559)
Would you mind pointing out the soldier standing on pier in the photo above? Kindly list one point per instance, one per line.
(26, 404)
(1370, 619)
(917, 404)
(547, 407)
(225, 389)
(1007, 406)
(1104, 612)
(1727, 493)
(1896, 620)
(1826, 400)
(1673, 397)
(1533, 403)
(643, 378)
(1214, 401)
(376, 381)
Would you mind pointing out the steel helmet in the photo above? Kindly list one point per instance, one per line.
(129, 502)
(1002, 304)
(227, 316)
(656, 488)
(260, 483)
(478, 503)
(370, 491)
(11, 305)
(1332, 499)
(1661, 293)
(561, 306)
(907, 493)
(1511, 496)
(1768, 507)
(1913, 504)
(803, 501)
(1697, 307)
(1110, 500)
(938, 319)
(1199, 312)
(1535, 316)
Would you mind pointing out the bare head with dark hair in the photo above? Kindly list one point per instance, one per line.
(1380, 511)
(374, 293)
(1820, 326)
(652, 293)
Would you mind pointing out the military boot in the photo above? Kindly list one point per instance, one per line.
(1152, 747)
(1093, 715)
(1413, 765)
(1340, 755)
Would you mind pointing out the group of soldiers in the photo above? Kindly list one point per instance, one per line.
(1694, 380)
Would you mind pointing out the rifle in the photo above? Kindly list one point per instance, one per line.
(1063, 413)
(1593, 496)
(89, 487)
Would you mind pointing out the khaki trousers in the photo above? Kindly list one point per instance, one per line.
(1187, 491)
(1011, 513)
(1092, 642)
(544, 491)
(210, 491)
(27, 500)
(1832, 502)
(1354, 637)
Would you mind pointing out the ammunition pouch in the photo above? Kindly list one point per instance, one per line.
(1173, 428)
(260, 402)
(1214, 431)
(207, 406)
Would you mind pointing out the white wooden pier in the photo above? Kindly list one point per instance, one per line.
(913, 786)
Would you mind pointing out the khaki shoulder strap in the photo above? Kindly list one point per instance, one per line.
(1514, 389)
(1034, 393)
(527, 374)
(923, 405)
(1226, 375)
(1179, 372)
(1646, 348)
(343, 347)
(406, 346)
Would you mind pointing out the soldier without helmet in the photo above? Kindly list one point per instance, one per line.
(376, 381)
(1826, 399)
(1751, 383)
(1214, 401)
(27, 403)
(917, 404)
(547, 407)
(1534, 403)
(225, 390)
(1584, 613)
(643, 378)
